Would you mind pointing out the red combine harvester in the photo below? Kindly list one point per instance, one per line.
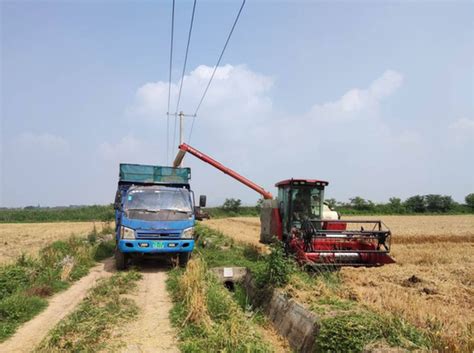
(306, 225)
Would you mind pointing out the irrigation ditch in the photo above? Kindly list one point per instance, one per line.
(291, 320)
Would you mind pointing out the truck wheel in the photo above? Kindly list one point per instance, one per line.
(183, 258)
(121, 260)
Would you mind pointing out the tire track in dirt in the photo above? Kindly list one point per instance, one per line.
(30, 334)
(151, 331)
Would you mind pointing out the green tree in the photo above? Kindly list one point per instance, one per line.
(232, 204)
(439, 203)
(415, 204)
(360, 204)
(331, 202)
(395, 205)
(259, 204)
(470, 201)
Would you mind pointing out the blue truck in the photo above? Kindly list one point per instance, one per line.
(154, 213)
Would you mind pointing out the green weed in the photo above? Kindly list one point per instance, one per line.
(104, 250)
(104, 308)
(24, 284)
(353, 331)
(16, 309)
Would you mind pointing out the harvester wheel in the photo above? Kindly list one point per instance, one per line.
(183, 258)
(121, 260)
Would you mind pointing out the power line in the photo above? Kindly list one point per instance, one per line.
(186, 56)
(169, 88)
(220, 57)
(184, 69)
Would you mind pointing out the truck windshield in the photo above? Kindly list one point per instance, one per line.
(158, 199)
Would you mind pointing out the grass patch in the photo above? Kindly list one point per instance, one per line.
(25, 283)
(88, 327)
(242, 211)
(353, 331)
(208, 317)
(218, 250)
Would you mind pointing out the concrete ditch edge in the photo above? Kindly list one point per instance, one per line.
(291, 320)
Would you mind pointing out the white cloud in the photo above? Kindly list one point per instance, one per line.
(234, 88)
(128, 149)
(463, 125)
(358, 104)
(43, 142)
(462, 131)
(386, 85)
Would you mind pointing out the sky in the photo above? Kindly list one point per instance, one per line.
(374, 97)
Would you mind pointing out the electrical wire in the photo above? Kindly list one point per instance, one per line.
(184, 69)
(215, 68)
(186, 56)
(220, 57)
(169, 88)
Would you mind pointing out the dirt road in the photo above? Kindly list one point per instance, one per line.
(152, 330)
(32, 332)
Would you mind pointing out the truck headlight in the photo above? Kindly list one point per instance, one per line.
(188, 233)
(127, 233)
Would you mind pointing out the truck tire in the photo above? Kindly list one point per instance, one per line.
(121, 260)
(183, 258)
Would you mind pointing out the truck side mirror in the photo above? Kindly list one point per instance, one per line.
(202, 201)
(118, 200)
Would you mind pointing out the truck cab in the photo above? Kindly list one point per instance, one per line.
(154, 213)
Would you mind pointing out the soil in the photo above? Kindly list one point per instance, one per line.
(243, 229)
(30, 334)
(151, 331)
(29, 238)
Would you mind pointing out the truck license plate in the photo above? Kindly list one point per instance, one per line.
(158, 245)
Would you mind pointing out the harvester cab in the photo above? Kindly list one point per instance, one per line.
(306, 225)
(302, 201)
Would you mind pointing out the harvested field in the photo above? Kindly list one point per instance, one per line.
(29, 238)
(432, 283)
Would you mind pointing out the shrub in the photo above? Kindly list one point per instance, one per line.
(278, 267)
(232, 204)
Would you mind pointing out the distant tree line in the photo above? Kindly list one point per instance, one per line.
(102, 213)
(432, 203)
(418, 204)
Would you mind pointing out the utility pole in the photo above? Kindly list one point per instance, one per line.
(181, 115)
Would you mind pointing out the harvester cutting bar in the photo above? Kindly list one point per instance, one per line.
(355, 232)
(351, 251)
(376, 224)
